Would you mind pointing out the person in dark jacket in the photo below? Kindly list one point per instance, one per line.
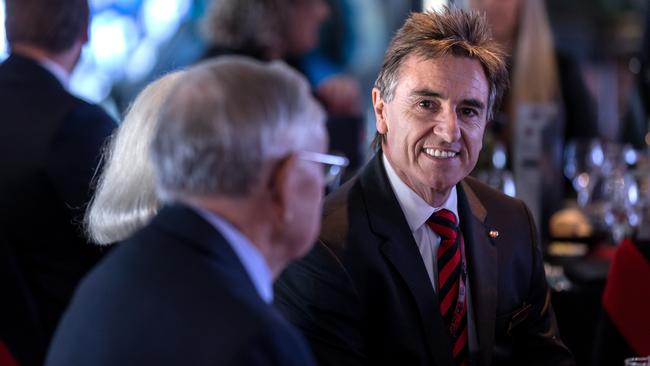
(51, 142)
(417, 263)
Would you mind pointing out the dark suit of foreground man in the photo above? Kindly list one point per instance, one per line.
(234, 163)
(393, 280)
(49, 150)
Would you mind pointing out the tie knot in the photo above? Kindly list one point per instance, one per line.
(444, 216)
(444, 223)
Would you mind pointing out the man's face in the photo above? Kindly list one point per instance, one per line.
(434, 125)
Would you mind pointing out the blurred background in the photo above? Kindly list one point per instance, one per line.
(135, 41)
(571, 139)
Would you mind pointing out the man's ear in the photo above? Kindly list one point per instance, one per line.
(85, 30)
(85, 36)
(281, 186)
(378, 106)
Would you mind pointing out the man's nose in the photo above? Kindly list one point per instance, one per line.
(447, 126)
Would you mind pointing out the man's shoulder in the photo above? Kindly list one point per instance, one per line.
(496, 208)
(89, 115)
(20, 75)
(82, 128)
(29, 93)
(339, 208)
(155, 292)
(489, 197)
(158, 267)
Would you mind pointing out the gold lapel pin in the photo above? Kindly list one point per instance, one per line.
(493, 234)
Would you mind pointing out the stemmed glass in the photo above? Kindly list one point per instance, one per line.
(637, 361)
(582, 161)
(607, 189)
(614, 203)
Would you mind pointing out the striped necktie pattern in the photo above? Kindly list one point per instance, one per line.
(452, 280)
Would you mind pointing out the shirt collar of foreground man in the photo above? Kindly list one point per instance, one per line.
(416, 210)
(363, 296)
(248, 254)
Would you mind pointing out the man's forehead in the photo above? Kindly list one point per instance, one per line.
(442, 75)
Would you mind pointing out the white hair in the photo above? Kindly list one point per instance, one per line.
(227, 122)
(125, 199)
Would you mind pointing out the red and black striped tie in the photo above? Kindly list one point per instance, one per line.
(451, 281)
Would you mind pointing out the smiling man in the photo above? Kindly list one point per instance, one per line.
(417, 263)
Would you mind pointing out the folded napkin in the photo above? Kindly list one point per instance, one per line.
(627, 295)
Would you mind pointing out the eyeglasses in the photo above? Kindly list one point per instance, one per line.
(333, 166)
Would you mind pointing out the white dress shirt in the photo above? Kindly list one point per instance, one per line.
(253, 261)
(417, 211)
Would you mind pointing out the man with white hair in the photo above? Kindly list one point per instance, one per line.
(237, 159)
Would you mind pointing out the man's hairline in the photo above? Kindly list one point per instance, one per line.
(489, 105)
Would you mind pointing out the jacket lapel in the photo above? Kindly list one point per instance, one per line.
(399, 248)
(482, 263)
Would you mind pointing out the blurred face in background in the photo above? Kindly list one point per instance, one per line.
(307, 16)
(502, 16)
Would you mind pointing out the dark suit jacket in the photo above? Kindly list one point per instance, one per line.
(174, 294)
(362, 295)
(50, 143)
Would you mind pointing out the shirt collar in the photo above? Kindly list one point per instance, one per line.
(253, 261)
(416, 210)
(57, 70)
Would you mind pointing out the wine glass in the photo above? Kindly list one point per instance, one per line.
(637, 361)
(613, 203)
(583, 160)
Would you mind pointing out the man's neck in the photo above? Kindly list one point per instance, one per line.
(434, 197)
(244, 215)
(65, 59)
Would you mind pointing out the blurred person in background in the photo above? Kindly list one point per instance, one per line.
(540, 77)
(417, 263)
(636, 123)
(50, 149)
(287, 30)
(125, 199)
(236, 161)
(538, 72)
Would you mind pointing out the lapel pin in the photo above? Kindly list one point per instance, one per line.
(493, 234)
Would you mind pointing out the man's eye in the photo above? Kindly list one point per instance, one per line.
(469, 112)
(426, 104)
